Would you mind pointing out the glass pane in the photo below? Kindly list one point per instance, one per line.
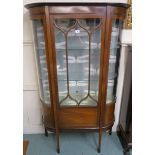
(65, 24)
(68, 102)
(61, 63)
(41, 60)
(110, 96)
(90, 24)
(114, 60)
(78, 62)
(95, 63)
(78, 76)
(89, 102)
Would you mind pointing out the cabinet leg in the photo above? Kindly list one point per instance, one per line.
(46, 132)
(58, 150)
(99, 142)
(57, 139)
(126, 151)
(110, 131)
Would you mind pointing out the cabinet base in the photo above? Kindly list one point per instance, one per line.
(100, 130)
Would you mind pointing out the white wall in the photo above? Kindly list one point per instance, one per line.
(32, 112)
(31, 104)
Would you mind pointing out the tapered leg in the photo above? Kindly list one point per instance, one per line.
(58, 145)
(99, 142)
(46, 133)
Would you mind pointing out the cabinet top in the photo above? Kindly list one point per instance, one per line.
(31, 5)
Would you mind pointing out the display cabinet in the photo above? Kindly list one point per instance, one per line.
(77, 49)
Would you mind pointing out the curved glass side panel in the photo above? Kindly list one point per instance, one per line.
(41, 60)
(114, 60)
(77, 43)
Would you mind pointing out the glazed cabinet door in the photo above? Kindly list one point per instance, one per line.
(78, 50)
(78, 41)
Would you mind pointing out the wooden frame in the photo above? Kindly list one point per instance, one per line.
(128, 20)
(101, 117)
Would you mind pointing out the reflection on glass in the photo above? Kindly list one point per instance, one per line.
(65, 24)
(78, 66)
(114, 60)
(41, 60)
(68, 102)
(78, 62)
(89, 24)
(61, 63)
(95, 63)
(110, 96)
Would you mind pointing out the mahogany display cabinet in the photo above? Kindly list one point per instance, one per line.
(77, 50)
